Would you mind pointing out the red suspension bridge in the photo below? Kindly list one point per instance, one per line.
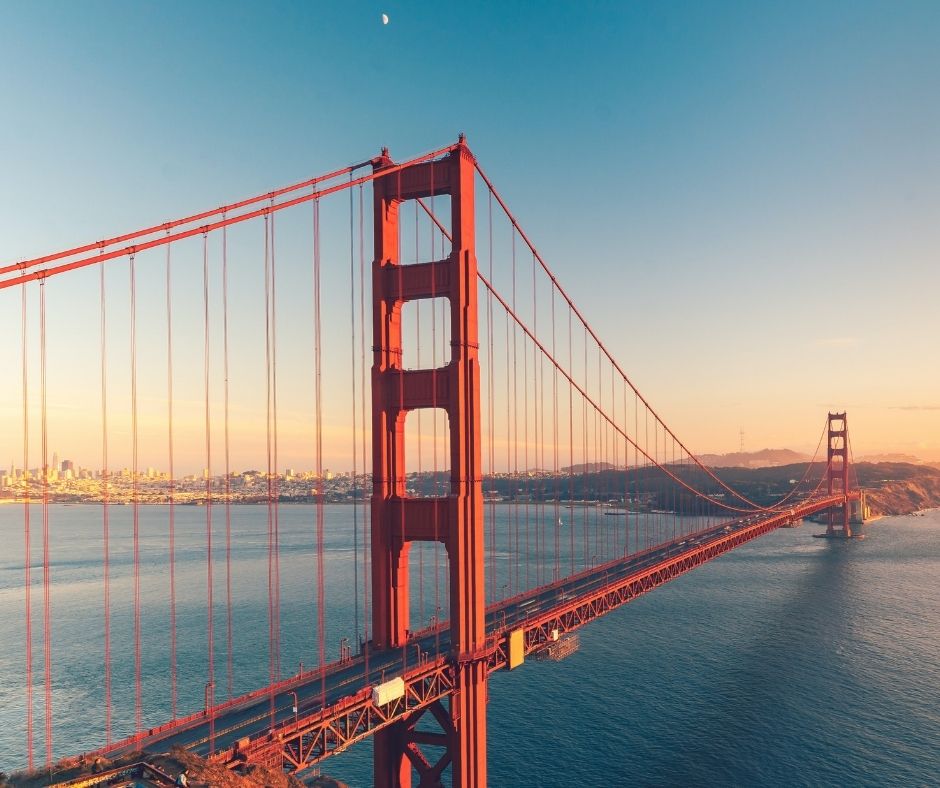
(490, 462)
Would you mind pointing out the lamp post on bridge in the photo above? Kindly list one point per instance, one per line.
(208, 700)
(296, 707)
(437, 630)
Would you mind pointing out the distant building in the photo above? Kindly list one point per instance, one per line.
(67, 465)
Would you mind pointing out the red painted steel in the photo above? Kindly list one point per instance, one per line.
(227, 221)
(46, 563)
(171, 484)
(581, 610)
(601, 346)
(531, 333)
(167, 226)
(456, 520)
(301, 743)
(306, 741)
(27, 554)
(602, 414)
(838, 474)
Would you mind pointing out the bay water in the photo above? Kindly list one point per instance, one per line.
(790, 661)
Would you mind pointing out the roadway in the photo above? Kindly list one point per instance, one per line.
(251, 715)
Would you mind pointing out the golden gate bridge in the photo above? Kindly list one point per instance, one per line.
(519, 387)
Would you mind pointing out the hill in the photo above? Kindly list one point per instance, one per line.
(899, 487)
(893, 488)
(765, 458)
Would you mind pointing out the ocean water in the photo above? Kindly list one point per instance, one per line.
(791, 661)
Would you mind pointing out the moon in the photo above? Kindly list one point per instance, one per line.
(384, 19)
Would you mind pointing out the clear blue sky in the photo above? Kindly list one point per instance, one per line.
(753, 187)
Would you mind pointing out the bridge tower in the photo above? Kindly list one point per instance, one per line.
(456, 520)
(838, 482)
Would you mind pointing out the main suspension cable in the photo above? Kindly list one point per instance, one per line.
(590, 400)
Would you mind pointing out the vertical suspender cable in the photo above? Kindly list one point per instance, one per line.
(601, 453)
(138, 698)
(626, 478)
(510, 404)
(675, 496)
(276, 479)
(446, 357)
(171, 488)
(105, 516)
(318, 391)
(228, 472)
(46, 568)
(399, 475)
(570, 522)
(646, 475)
(610, 445)
(636, 468)
(525, 455)
(432, 247)
(537, 429)
(657, 520)
(614, 443)
(418, 415)
(515, 416)
(353, 401)
(598, 453)
(210, 633)
(362, 389)
(490, 371)
(172, 482)
(437, 545)
(27, 580)
(543, 487)
(556, 518)
(584, 460)
(272, 654)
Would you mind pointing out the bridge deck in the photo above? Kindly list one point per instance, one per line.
(335, 706)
